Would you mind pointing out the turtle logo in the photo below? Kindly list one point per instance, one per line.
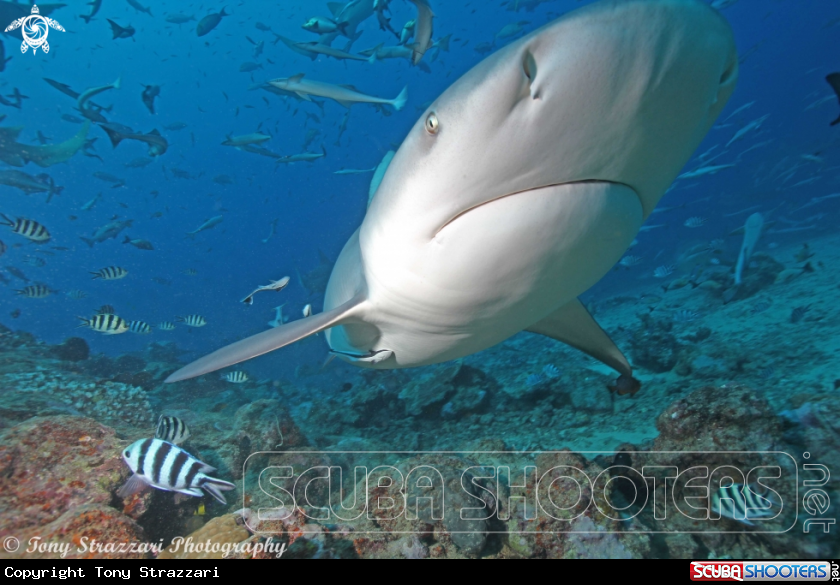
(34, 29)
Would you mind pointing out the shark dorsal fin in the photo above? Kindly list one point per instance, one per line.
(335, 8)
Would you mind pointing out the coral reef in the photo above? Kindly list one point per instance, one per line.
(109, 402)
(57, 478)
(74, 349)
(209, 540)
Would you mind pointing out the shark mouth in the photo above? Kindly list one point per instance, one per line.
(530, 190)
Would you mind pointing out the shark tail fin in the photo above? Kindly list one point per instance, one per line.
(270, 340)
(443, 43)
(87, 241)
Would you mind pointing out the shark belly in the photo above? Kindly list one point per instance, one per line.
(485, 275)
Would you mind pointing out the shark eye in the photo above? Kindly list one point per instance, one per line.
(432, 124)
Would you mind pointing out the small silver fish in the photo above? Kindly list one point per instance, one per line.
(695, 222)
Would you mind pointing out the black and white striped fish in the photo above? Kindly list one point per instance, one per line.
(29, 229)
(140, 327)
(167, 326)
(172, 429)
(166, 467)
(743, 503)
(106, 310)
(192, 320)
(237, 377)
(107, 323)
(35, 291)
(110, 273)
(76, 294)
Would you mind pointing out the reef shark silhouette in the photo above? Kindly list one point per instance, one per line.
(17, 154)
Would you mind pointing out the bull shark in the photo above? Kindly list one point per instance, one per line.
(82, 99)
(519, 188)
(423, 30)
(17, 154)
(29, 184)
(347, 17)
(319, 49)
(108, 231)
(346, 95)
(119, 132)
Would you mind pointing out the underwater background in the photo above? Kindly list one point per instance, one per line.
(197, 225)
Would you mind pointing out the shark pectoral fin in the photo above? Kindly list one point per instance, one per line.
(573, 325)
(267, 341)
(344, 103)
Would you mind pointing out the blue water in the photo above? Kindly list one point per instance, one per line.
(794, 48)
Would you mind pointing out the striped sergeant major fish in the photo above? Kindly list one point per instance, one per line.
(140, 327)
(110, 273)
(192, 320)
(172, 430)
(109, 324)
(166, 326)
(166, 467)
(29, 229)
(106, 310)
(743, 503)
(35, 291)
(237, 377)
